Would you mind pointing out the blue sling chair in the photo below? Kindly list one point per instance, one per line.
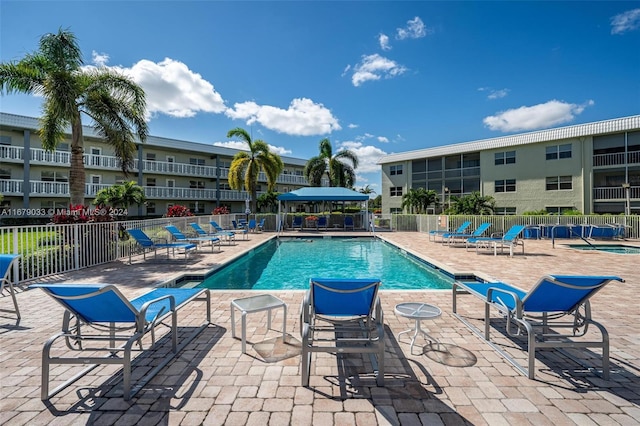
(6, 265)
(342, 316)
(147, 244)
(439, 233)
(179, 237)
(99, 319)
(555, 313)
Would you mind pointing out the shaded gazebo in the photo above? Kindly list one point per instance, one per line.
(319, 194)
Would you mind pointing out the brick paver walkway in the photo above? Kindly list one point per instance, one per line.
(461, 381)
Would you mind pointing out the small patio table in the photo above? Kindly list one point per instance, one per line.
(257, 303)
(418, 312)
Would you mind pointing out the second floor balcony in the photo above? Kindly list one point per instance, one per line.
(615, 193)
(616, 159)
(39, 156)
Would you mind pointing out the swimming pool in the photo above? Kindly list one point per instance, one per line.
(609, 248)
(288, 264)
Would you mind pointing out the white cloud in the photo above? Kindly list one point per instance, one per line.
(383, 39)
(415, 29)
(353, 126)
(383, 139)
(375, 67)
(303, 117)
(626, 21)
(539, 116)
(243, 147)
(493, 93)
(99, 59)
(368, 155)
(170, 87)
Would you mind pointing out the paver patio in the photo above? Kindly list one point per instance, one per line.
(462, 381)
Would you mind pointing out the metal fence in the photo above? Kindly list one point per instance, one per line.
(53, 249)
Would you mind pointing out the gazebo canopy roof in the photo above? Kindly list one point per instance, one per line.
(323, 194)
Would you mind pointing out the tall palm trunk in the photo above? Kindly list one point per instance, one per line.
(77, 172)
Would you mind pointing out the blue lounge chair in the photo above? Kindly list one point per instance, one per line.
(348, 223)
(322, 222)
(148, 244)
(453, 238)
(112, 319)
(252, 225)
(510, 239)
(261, 225)
(342, 316)
(555, 313)
(461, 230)
(181, 238)
(6, 265)
(297, 222)
(229, 235)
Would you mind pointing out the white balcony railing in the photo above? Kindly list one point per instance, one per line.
(616, 159)
(165, 192)
(165, 167)
(616, 193)
(11, 186)
(11, 153)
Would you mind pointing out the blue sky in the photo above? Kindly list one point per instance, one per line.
(374, 77)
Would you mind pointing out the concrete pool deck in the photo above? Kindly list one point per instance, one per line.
(463, 381)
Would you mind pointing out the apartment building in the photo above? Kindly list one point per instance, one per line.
(592, 167)
(170, 171)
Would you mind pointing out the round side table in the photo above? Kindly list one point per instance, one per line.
(418, 312)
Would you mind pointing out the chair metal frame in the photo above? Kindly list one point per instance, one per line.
(542, 315)
(179, 237)
(111, 318)
(147, 244)
(342, 316)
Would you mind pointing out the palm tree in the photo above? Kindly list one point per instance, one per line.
(268, 201)
(367, 190)
(120, 195)
(417, 200)
(113, 102)
(339, 172)
(473, 204)
(246, 166)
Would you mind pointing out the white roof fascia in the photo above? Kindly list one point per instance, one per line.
(579, 130)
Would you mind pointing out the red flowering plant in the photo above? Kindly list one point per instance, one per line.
(178, 211)
(220, 210)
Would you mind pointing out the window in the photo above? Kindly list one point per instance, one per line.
(151, 181)
(196, 184)
(508, 157)
(48, 176)
(96, 179)
(171, 183)
(504, 211)
(555, 183)
(396, 191)
(506, 185)
(196, 161)
(151, 208)
(396, 210)
(555, 152)
(151, 156)
(559, 210)
(395, 170)
(197, 207)
(5, 174)
(5, 140)
(225, 187)
(95, 155)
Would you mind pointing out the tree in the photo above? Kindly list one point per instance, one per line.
(473, 204)
(121, 195)
(336, 167)
(246, 166)
(417, 200)
(113, 102)
(268, 201)
(367, 190)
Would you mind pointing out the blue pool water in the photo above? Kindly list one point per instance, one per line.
(289, 264)
(609, 248)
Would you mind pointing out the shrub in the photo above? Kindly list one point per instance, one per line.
(178, 211)
(221, 210)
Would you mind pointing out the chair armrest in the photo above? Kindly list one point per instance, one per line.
(513, 295)
(160, 314)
